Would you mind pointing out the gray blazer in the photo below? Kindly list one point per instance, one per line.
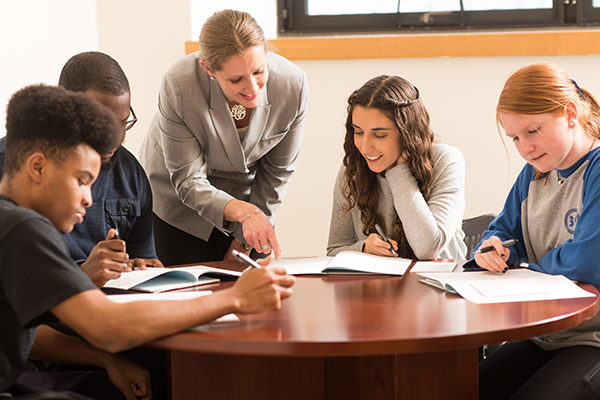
(193, 155)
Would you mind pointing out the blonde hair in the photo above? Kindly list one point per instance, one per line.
(227, 33)
(546, 88)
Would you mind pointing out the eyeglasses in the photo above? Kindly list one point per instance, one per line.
(127, 125)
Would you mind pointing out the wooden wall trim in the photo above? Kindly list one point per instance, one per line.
(472, 44)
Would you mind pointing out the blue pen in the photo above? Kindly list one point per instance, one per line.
(381, 233)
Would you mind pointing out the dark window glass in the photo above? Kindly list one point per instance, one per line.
(385, 15)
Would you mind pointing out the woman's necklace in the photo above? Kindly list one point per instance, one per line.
(238, 112)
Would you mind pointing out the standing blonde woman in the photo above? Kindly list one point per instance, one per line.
(553, 211)
(222, 147)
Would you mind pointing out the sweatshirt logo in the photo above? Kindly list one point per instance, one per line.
(571, 218)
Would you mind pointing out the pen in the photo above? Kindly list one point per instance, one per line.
(381, 233)
(116, 237)
(244, 259)
(506, 243)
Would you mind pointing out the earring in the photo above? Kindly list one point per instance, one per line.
(212, 78)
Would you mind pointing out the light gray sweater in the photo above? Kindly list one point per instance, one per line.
(432, 228)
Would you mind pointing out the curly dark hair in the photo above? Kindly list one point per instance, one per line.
(94, 70)
(54, 120)
(400, 101)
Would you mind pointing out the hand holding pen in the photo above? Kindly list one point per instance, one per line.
(379, 244)
(259, 288)
(493, 254)
(107, 260)
(384, 237)
(131, 264)
(136, 264)
(244, 259)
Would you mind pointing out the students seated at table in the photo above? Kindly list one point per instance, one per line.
(54, 142)
(396, 176)
(553, 211)
(122, 194)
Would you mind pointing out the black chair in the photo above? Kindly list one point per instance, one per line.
(473, 228)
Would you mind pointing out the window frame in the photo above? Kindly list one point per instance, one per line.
(292, 19)
(588, 14)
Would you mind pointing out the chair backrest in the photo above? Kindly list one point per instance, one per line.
(473, 228)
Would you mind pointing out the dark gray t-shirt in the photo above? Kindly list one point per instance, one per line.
(36, 273)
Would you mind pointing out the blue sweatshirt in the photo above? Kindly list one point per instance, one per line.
(557, 222)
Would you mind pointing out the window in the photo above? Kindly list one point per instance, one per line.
(300, 16)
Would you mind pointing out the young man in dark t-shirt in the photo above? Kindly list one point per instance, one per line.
(35, 274)
(53, 146)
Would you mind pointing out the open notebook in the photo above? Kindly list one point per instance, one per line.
(515, 285)
(126, 298)
(158, 280)
(353, 262)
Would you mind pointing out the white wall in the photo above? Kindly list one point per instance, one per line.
(263, 11)
(37, 38)
(147, 36)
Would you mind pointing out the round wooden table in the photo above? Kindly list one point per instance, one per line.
(349, 337)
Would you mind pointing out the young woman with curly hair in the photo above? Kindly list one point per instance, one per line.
(396, 176)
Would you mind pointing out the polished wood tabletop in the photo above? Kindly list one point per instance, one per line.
(354, 336)
(349, 315)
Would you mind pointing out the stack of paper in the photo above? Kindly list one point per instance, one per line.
(126, 298)
(514, 285)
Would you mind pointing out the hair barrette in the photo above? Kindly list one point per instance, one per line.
(408, 102)
(579, 91)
